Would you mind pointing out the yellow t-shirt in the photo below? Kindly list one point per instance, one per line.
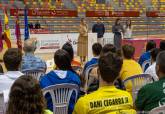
(130, 68)
(106, 100)
(48, 112)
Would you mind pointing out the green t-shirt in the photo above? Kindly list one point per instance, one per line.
(151, 96)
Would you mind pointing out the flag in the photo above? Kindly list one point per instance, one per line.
(1, 42)
(26, 30)
(6, 35)
(18, 33)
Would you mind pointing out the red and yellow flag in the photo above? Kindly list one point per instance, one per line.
(7, 30)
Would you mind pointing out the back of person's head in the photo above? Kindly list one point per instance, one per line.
(62, 60)
(1, 69)
(150, 45)
(109, 66)
(68, 47)
(160, 64)
(162, 45)
(96, 48)
(12, 59)
(154, 53)
(128, 51)
(109, 48)
(30, 46)
(26, 97)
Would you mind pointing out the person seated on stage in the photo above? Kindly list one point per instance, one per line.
(30, 61)
(63, 74)
(152, 95)
(147, 55)
(31, 25)
(152, 69)
(12, 60)
(1, 69)
(130, 67)
(162, 45)
(26, 97)
(96, 49)
(37, 25)
(107, 99)
(68, 47)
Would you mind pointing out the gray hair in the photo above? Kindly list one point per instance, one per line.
(30, 46)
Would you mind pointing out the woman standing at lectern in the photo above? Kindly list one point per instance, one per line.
(118, 31)
(82, 50)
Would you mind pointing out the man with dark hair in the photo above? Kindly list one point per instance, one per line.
(153, 95)
(63, 74)
(109, 48)
(147, 55)
(12, 60)
(96, 49)
(152, 69)
(162, 45)
(107, 98)
(130, 67)
(100, 30)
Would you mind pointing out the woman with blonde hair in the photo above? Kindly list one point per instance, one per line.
(82, 50)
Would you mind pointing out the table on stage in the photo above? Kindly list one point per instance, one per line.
(140, 44)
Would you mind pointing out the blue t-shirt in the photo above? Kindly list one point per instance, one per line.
(144, 57)
(91, 62)
(31, 62)
(59, 77)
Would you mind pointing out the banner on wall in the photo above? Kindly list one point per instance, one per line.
(155, 14)
(112, 13)
(49, 13)
(12, 34)
(49, 43)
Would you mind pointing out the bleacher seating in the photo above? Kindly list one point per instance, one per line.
(142, 25)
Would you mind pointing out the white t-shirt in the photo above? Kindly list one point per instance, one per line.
(7, 79)
(127, 32)
(152, 71)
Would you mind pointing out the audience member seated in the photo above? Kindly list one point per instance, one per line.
(130, 67)
(109, 48)
(96, 49)
(106, 48)
(1, 69)
(162, 45)
(26, 97)
(152, 69)
(63, 74)
(12, 60)
(107, 99)
(29, 60)
(153, 95)
(68, 47)
(146, 55)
